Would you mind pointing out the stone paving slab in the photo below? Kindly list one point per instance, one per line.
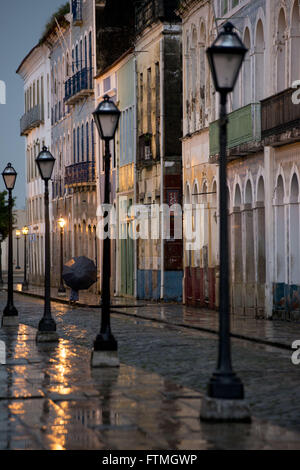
(275, 333)
(74, 407)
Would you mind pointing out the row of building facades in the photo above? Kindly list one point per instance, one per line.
(149, 57)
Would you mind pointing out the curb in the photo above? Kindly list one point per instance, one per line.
(62, 300)
(253, 339)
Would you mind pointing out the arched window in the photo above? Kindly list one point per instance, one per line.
(93, 140)
(82, 143)
(74, 146)
(259, 62)
(281, 52)
(78, 144)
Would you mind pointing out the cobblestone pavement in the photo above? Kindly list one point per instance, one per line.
(185, 357)
(275, 333)
(51, 399)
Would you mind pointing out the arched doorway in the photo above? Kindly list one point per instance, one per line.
(249, 252)
(260, 248)
(237, 250)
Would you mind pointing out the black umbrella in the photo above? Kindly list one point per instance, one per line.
(80, 273)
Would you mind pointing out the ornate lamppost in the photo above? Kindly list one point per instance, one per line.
(10, 313)
(47, 326)
(61, 223)
(18, 236)
(225, 397)
(105, 352)
(25, 231)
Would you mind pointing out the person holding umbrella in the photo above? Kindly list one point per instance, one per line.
(79, 273)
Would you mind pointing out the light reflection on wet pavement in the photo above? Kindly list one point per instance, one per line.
(51, 399)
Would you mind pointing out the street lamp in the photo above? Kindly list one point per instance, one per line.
(25, 231)
(18, 236)
(47, 326)
(225, 397)
(10, 313)
(105, 351)
(61, 223)
(1, 276)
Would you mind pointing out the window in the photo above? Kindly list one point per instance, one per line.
(74, 146)
(141, 101)
(87, 143)
(80, 66)
(78, 144)
(93, 141)
(149, 102)
(82, 142)
(85, 52)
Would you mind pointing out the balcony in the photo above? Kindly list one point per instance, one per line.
(77, 12)
(244, 133)
(79, 86)
(33, 118)
(80, 174)
(280, 119)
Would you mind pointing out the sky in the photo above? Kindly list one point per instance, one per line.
(22, 23)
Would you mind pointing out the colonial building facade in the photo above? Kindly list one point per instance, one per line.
(36, 127)
(199, 175)
(159, 159)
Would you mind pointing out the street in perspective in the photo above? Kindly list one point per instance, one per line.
(150, 228)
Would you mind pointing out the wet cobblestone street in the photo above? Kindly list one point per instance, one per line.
(50, 398)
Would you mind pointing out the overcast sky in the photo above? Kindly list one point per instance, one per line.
(21, 25)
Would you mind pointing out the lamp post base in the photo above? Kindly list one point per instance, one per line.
(218, 410)
(61, 293)
(105, 359)
(105, 352)
(11, 320)
(47, 337)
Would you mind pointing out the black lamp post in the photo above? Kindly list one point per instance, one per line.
(25, 232)
(10, 313)
(105, 346)
(61, 224)
(18, 236)
(225, 390)
(47, 326)
(1, 275)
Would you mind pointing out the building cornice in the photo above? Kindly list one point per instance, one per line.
(186, 6)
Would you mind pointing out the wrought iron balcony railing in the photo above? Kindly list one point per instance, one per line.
(280, 118)
(244, 132)
(80, 173)
(78, 86)
(33, 118)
